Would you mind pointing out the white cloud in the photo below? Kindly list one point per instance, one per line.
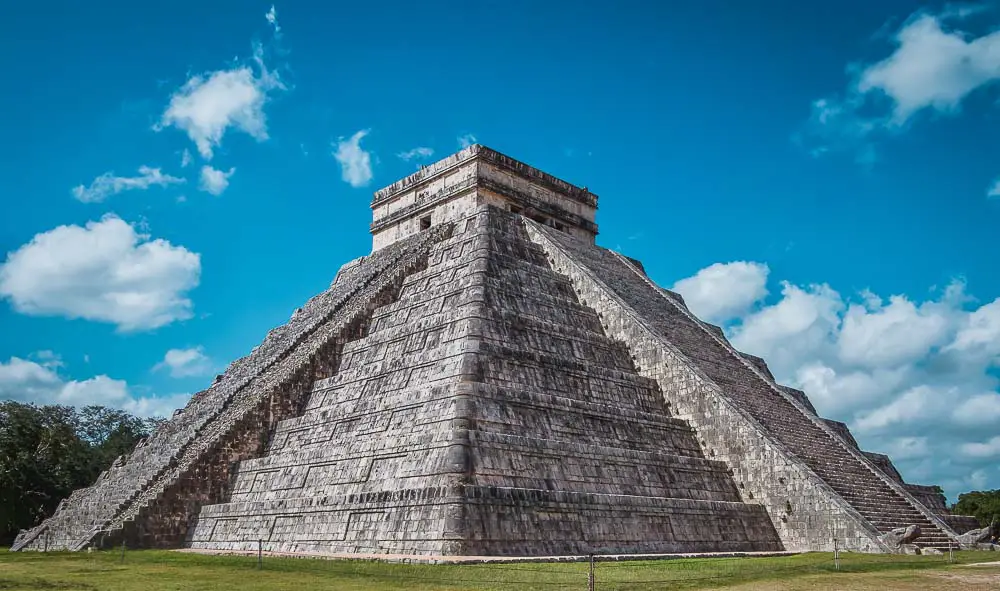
(983, 409)
(904, 448)
(104, 271)
(934, 67)
(979, 334)
(917, 405)
(466, 140)
(26, 381)
(185, 158)
(724, 290)
(876, 335)
(420, 152)
(987, 449)
(994, 190)
(803, 319)
(108, 184)
(913, 378)
(214, 181)
(208, 105)
(355, 162)
(185, 362)
(272, 18)
(48, 359)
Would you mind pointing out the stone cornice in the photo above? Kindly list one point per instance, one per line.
(478, 152)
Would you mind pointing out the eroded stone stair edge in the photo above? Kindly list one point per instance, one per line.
(865, 534)
(815, 419)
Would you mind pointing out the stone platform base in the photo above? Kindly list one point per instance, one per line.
(421, 559)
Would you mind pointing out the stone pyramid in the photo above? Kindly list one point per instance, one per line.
(490, 382)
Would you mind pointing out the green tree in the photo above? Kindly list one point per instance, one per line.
(47, 452)
(111, 433)
(983, 505)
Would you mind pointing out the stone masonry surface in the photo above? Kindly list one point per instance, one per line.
(488, 382)
(485, 413)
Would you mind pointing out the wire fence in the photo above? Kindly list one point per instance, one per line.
(604, 572)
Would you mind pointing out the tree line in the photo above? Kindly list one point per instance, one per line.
(984, 505)
(47, 452)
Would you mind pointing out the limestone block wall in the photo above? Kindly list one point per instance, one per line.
(445, 198)
(485, 412)
(806, 513)
(500, 184)
(371, 464)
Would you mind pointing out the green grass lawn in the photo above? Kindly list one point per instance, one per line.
(150, 570)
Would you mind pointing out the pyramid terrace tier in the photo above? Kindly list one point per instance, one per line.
(500, 409)
(421, 456)
(487, 374)
(476, 521)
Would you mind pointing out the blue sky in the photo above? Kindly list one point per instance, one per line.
(814, 177)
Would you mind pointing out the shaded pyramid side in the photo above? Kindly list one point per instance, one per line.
(816, 486)
(485, 413)
(153, 492)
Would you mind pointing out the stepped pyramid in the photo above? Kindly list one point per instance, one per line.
(489, 382)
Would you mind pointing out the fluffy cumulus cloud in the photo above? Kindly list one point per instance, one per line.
(104, 271)
(213, 180)
(210, 104)
(934, 66)
(915, 379)
(108, 184)
(418, 153)
(182, 363)
(724, 290)
(39, 383)
(355, 162)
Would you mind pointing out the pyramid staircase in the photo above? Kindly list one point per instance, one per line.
(745, 381)
(224, 423)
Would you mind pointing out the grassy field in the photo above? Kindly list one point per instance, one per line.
(161, 571)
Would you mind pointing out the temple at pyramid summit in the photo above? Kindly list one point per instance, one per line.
(489, 382)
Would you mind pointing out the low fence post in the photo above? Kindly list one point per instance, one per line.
(951, 551)
(590, 577)
(260, 554)
(836, 554)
